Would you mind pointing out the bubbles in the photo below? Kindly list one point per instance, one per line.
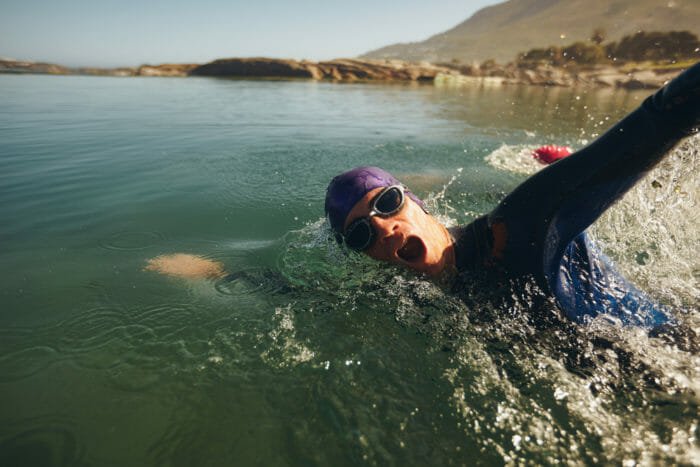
(285, 349)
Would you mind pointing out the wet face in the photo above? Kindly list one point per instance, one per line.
(410, 237)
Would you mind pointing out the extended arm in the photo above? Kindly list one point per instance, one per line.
(546, 212)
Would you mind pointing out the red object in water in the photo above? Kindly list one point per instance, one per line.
(551, 153)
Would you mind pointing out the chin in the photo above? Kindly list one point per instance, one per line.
(431, 269)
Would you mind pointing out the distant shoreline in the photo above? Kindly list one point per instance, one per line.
(628, 76)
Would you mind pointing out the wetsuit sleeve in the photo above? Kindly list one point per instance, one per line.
(550, 209)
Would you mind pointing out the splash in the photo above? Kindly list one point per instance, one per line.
(653, 232)
(514, 158)
(285, 349)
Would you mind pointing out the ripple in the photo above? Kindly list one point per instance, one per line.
(131, 240)
(166, 315)
(131, 378)
(252, 281)
(25, 363)
(43, 445)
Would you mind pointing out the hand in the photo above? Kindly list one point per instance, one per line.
(186, 266)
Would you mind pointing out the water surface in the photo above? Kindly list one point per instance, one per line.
(308, 356)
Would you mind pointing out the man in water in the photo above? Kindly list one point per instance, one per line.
(538, 230)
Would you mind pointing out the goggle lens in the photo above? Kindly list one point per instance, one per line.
(360, 234)
(389, 201)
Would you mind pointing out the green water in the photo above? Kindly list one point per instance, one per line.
(307, 356)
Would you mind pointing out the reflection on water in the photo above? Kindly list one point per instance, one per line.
(305, 354)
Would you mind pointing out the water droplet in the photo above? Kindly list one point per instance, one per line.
(516, 442)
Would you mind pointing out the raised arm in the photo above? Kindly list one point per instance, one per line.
(546, 212)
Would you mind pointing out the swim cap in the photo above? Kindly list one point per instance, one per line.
(346, 189)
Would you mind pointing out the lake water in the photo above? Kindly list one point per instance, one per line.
(305, 355)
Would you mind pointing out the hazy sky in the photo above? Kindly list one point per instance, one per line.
(130, 32)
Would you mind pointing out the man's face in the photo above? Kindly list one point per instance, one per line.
(410, 237)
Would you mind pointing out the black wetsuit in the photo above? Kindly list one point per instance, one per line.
(538, 230)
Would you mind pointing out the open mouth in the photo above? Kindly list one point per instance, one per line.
(412, 251)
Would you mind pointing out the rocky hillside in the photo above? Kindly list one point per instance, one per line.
(501, 31)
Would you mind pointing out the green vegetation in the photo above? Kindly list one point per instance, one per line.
(674, 45)
(664, 47)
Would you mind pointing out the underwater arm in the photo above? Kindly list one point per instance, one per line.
(186, 266)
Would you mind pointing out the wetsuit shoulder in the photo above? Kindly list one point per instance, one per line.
(479, 244)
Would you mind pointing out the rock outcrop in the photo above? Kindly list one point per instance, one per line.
(378, 70)
(254, 68)
(124, 71)
(25, 67)
(337, 70)
(167, 69)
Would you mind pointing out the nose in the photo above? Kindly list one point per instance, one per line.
(385, 226)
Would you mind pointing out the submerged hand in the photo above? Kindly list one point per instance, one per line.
(186, 266)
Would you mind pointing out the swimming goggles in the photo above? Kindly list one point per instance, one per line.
(360, 234)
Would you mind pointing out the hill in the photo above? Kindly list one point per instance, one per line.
(502, 31)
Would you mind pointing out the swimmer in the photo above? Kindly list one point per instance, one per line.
(538, 230)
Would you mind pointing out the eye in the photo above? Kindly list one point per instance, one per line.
(359, 234)
(390, 201)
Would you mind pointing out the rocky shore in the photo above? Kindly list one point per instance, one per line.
(639, 76)
(26, 67)
(336, 70)
(354, 70)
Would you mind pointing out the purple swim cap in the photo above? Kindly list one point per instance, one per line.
(346, 189)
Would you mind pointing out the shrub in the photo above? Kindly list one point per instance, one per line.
(673, 45)
(584, 54)
(641, 46)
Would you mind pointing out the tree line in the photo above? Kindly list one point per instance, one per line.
(641, 46)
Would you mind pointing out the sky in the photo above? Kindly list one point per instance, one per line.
(110, 33)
